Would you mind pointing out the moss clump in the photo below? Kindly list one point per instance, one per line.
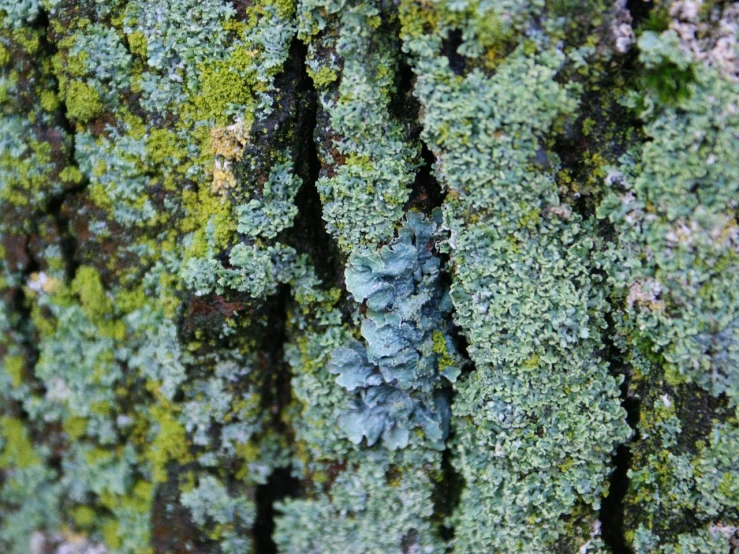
(16, 450)
(323, 77)
(14, 368)
(170, 443)
(137, 43)
(83, 102)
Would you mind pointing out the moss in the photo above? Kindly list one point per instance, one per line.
(28, 39)
(49, 100)
(4, 56)
(169, 443)
(440, 347)
(587, 126)
(84, 516)
(223, 85)
(70, 174)
(208, 208)
(75, 427)
(164, 147)
(137, 43)
(669, 82)
(14, 366)
(83, 102)
(323, 77)
(16, 451)
(110, 529)
(88, 286)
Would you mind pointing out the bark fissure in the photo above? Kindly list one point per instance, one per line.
(427, 196)
(639, 10)
(447, 494)
(613, 507)
(280, 484)
(68, 243)
(309, 228)
(426, 193)
(308, 235)
(55, 207)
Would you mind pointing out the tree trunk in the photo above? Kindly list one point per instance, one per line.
(369, 276)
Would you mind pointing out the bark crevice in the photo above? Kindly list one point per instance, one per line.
(612, 513)
(309, 232)
(280, 484)
(55, 206)
(307, 235)
(427, 196)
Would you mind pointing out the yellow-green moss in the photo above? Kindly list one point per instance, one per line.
(4, 55)
(17, 449)
(323, 77)
(83, 102)
(49, 100)
(137, 43)
(14, 368)
(88, 286)
(170, 442)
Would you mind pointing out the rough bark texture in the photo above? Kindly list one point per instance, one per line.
(369, 276)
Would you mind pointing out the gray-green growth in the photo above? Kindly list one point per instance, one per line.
(354, 276)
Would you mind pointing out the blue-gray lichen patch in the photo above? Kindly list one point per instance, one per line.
(397, 378)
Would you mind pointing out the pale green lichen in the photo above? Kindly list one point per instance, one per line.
(540, 415)
(275, 210)
(355, 515)
(673, 270)
(211, 505)
(372, 166)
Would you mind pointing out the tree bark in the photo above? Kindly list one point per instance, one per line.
(369, 277)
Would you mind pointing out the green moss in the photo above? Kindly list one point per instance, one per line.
(323, 77)
(4, 55)
(49, 100)
(222, 86)
(169, 443)
(83, 102)
(164, 147)
(70, 174)
(137, 43)
(75, 427)
(95, 302)
(28, 39)
(440, 347)
(669, 82)
(14, 366)
(17, 451)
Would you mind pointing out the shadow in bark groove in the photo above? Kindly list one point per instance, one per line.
(279, 485)
(307, 235)
(309, 232)
(613, 509)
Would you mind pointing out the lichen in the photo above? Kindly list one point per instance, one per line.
(414, 255)
(671, 269)
(523, 294)
(398, 378)
(369, 165)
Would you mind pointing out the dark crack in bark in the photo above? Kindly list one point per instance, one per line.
(280, 484)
